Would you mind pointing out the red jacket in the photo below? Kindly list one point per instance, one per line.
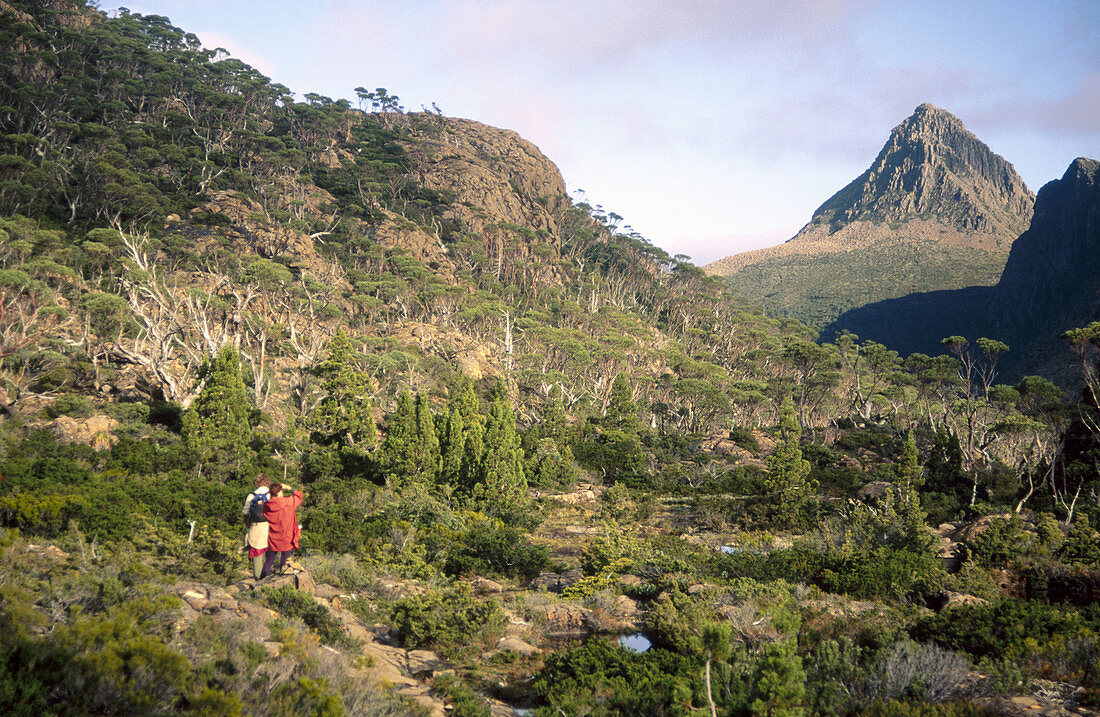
(282, 521)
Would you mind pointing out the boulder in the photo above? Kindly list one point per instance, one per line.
(949, 599)
(398, 589)
(726, 447)
(302, 581)
(484, 586)
(516, 646)
(423, 662)
(555, 583)
(388, 664)
(876, 490)
(326, 592)
(575, 498)
(422, 696)
(626, 611)
(975, 528)
(567, 619)
(94, 430)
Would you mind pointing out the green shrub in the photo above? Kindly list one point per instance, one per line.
(74, 405)
(295, 604)
(447, 620)
(497, 549)
(997, 629)
(303, 696)
(867, 440)
(336, 528)
(610, 546)
(605, 679)
(897, 708)
(1002, 542)
(46, 514)
(1058, 583)
(880, 573)
(464, 701)
(744, 438)
(1081, 546)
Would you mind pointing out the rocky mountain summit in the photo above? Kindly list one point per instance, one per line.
(932, 166)
(1049, 286)
(936, 209)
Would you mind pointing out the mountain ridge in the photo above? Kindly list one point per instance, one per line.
(1048, 287)
(934, 187)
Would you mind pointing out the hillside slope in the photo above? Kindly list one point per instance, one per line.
(161, 202)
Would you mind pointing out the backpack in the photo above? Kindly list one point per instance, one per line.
(256, 507)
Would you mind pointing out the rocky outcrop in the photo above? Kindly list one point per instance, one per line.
(937, 209)
(950, 599)
(566, 619)
(495, 175)
(95, 431)
(1050, 283)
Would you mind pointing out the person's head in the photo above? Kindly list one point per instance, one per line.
(261, 481)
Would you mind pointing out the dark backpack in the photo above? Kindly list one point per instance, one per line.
(256, 507)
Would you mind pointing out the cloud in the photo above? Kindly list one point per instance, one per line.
(1074, 112)
(596, 36)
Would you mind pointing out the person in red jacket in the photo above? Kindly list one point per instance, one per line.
(281, 511)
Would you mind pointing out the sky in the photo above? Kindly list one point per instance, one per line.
(711, 126)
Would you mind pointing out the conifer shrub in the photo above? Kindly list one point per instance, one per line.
(1001, 627)
(496, 549)
(917, 708)
(598, 677)
(1081, 546)
(885, 573)
(39, 514)
(744, 438)
(449, 620)
(336, 528)
(74, 405)
(612, 544)
(1057, 583)
(1004, 541)
(879, 573)
(463, 699)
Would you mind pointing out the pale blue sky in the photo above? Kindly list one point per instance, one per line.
(711, 126)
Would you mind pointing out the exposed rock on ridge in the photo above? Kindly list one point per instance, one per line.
(496, 175)
(932, 165)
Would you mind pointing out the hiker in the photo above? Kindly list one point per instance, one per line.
(256, 539)
(281, 511)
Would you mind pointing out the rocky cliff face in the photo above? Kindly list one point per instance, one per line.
(495, 175)
(1050, 284)
(933, 167)
(937, 209)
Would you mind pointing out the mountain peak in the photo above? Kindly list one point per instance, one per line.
(932, 167)
(927, 118)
